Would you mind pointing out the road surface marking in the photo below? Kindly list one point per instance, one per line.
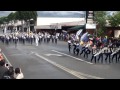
(6, 59)
(87, 75)
(61, 67)
(75, 73)
(53, 55)
(15, 54)
(72, 57)
(24, 53)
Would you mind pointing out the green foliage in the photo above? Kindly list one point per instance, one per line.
(100, 18)
(4, 20)
(11, 16)
(19, 15)
(100, 32)
(26, 15)
(114, 19)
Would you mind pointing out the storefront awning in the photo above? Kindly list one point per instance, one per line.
(76, 28)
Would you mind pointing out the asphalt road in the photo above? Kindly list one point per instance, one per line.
(53, 61)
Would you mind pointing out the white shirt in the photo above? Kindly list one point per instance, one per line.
(69, 41)
(19, 76)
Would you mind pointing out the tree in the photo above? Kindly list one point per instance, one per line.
(31, 15)
(1, 21)
(100, 18)
(114, 19)
(26, 16)
(19, 15)
(11, 18)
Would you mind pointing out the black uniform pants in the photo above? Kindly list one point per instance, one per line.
(108, 56)
(74, 49)
(100, 56)
(44, 40)
(31, 40)
(83, 50)
(23, 41)
(115, 55)
(39, 40)
(119, 57)
(69, 46)
(56, 41)
(93, 57)
(52, 40)
(87, 51)
(77, 50)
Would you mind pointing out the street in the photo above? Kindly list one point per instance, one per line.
(53, 61)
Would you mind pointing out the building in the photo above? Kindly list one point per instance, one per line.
(90, 25)
(57, 24)
(17, 26)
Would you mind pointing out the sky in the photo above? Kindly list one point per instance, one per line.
(53, 13)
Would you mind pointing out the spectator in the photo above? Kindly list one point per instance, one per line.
(3, 69)
(18, 74)
(9, 74)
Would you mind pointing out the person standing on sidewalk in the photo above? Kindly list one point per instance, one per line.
(3, 69)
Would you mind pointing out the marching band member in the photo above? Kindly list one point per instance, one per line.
(69, 44)
(87, 51)
(77, 48)
(83, 48)
(74, 49)
(94, 51)
(36, 39)
(100, 47)
(108, 53)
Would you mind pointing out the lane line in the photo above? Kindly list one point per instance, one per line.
(60, 66)
(87, 75)
(75, 73)
(53, 55)
(6, 59)
(15, 54)
(71, 56)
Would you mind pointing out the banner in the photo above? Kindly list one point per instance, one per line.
(101, 51)
(117, 50)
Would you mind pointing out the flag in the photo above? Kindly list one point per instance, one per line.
(64, 31)
(79, 32)
(84, 37)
